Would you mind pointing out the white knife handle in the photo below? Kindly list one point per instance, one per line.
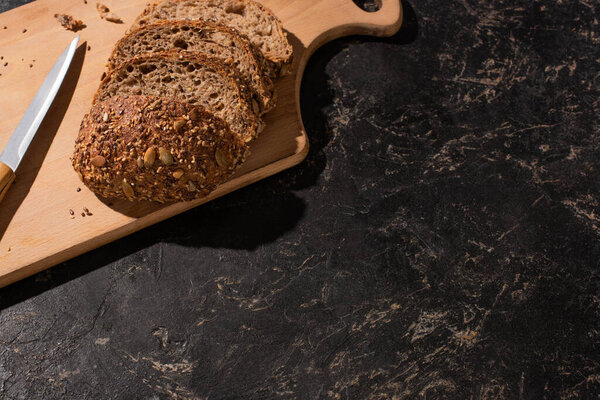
(7, 176)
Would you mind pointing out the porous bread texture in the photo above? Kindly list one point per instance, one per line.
(204, 38)
(262, 28)
(188, 77)
(147, 148)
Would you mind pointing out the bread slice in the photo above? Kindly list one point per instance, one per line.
(188, 77)
(148, 148)
(209, 39)
(250, 18)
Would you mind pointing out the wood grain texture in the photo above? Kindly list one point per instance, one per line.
(37, 229)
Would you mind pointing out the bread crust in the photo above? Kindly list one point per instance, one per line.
(148, 148)
(279, 64)
(252, 123)
(263, 90)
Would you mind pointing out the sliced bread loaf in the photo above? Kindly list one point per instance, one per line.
(188, 77)
(250, 18)
(209, 39)
(147, 148)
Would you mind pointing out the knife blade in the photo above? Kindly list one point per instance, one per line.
(34, 115)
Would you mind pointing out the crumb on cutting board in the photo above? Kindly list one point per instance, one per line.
(24, 30)
(69, 23)
(79, 189)
(89, 47)
(102, 9)
(107, 15)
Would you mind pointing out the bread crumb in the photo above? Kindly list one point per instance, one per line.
(79, 189)
(10, 248)
(83, 214)
(89, 47)
(71, 211)
(5, 64)
(107, 15)
(6, 27)
(102, 8)
(69, 23)
(30, 65)
(24, 30)
(113, 18)
(84, 1)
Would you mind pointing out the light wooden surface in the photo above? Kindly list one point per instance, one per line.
(36, 228)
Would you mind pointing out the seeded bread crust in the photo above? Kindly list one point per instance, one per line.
(147, 148)
(262, 28)
(189, 77)
(202, 38)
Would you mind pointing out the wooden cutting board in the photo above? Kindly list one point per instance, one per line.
(36, 228)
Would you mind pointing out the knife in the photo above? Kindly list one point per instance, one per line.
(21, 138)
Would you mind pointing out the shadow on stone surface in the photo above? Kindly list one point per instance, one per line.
(316, 95)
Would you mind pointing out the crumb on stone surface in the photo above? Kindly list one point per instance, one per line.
(69, 23)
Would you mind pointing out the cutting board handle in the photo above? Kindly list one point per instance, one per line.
(383, 22)
(321, 21)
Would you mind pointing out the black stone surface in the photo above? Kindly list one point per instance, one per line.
(440, 241)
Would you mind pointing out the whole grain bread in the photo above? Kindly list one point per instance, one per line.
(256, 22)
(189, 77)
(148, 148)
(206, 38)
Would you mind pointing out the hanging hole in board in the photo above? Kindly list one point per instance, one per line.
(368, 5)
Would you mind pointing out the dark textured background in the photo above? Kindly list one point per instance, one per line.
(440, 241)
